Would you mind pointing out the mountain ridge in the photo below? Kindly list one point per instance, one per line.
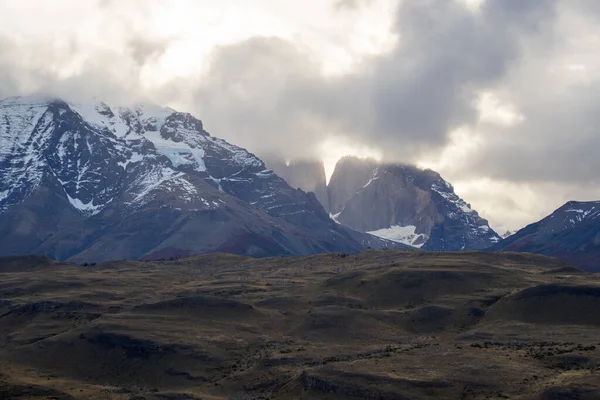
(401, 202)
(100, 182)
(571, 232)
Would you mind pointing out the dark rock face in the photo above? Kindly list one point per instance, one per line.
(308, 175)
(350, 175)
(572, 232)
(388, 199)
(95, 182)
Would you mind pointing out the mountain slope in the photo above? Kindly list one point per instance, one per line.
(308, 175)
(94, 182)
(572, 232)
(406, 204)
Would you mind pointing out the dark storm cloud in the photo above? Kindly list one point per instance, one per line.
(559, 139)
(259, 93)
(558, 142)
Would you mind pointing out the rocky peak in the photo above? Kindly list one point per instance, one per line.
(506, 234)
(179, 122)
(349, 176)
(405, 203)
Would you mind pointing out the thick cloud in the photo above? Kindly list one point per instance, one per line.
(268, 94)
(555, 87)
(405, 102)
(144, 51)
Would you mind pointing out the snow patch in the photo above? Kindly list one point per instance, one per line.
(218, 182)
(401, 234)
(180, 153)
(239, 155)
(153, 115)
(448, 194)
(574, 216)
(135, 157)
(373, 178)
(152, 181)
(370, 181)
(88, 209)
(18, 122)
(335, 217)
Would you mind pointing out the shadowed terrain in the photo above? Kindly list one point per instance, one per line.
(377, 325)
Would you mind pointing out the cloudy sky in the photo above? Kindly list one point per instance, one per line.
(499, 96)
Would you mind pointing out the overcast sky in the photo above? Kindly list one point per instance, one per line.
(499, 96)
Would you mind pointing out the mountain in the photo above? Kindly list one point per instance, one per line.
(572, 232)
(405, 204)
(95, 182)
(308, 175)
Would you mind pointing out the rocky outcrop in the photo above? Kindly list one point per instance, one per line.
(349, 176)
(407, 204)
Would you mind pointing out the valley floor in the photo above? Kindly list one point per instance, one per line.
(378, 325)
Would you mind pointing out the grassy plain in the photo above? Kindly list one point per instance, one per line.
(377, 325)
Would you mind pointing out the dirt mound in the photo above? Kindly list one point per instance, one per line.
(32, 322)
(570, 393)
(26, 263)
(50, 306)
(101, 356)
(551, 304)
(401, 287)
(430, 319)
(370, 386)
(131, 347)
(570, 362)
(324, 300)
(334, 322)
(199, 306)
(564, 271)
(176, 396)
(279, 302)
(555, 290)
(30, 392)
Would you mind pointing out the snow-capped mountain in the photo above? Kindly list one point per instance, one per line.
(405, 204)
(571, 232)
(94, 181)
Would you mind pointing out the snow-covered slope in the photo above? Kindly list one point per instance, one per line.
(73, 175)
(23, 131)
